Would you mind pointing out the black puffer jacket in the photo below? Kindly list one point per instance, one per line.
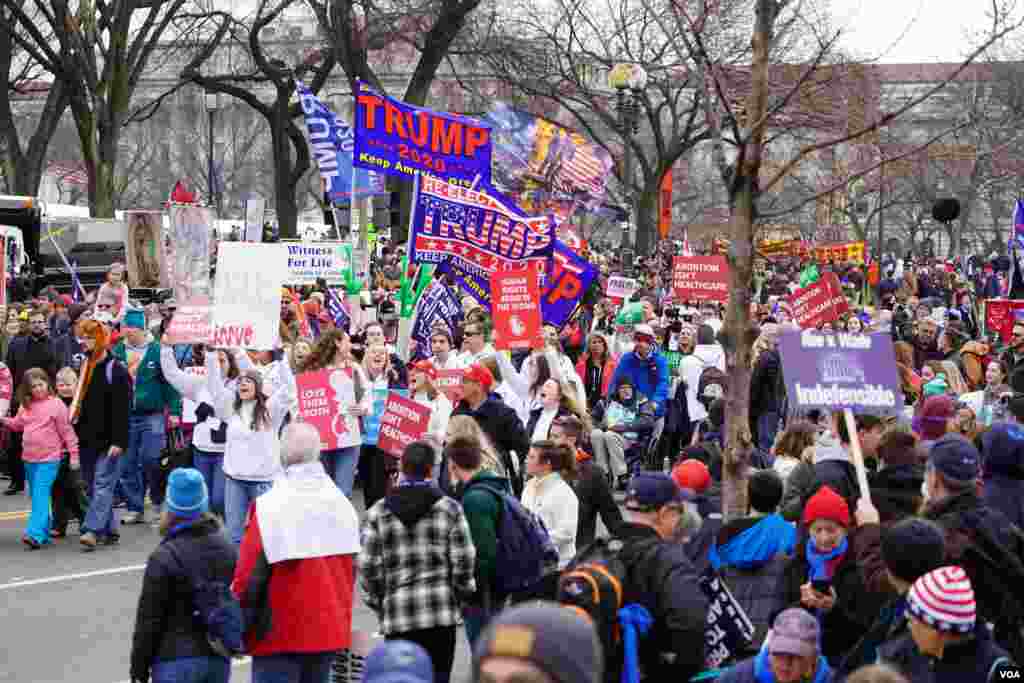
(661, 578)
(164, 625)
(896, 491)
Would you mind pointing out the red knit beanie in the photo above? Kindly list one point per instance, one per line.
(827, 504)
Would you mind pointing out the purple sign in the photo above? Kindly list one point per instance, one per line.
(400, 139)
(833, 371)
(437, 306)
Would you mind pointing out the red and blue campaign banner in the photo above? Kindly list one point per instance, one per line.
(478, 230)
(331, 140)
(567, 278)
(404, 140)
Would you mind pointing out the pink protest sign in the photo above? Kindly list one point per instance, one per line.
(403, 422)
(449, 383)
(324, 396)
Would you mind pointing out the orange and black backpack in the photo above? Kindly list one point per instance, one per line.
(594, 585)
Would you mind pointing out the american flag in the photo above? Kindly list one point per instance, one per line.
(585, 168)
(69, 172)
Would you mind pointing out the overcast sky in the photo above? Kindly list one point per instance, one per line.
(910, 31)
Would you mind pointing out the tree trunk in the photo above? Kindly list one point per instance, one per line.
(647, 217)
(284, 189)
(739, 341)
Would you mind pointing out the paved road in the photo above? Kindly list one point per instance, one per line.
(67, 616)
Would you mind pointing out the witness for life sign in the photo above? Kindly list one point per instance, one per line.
(836, 371)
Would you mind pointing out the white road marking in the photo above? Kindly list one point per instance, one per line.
(72, 577)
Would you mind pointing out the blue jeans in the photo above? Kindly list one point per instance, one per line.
(40, 477)
(211, 466)
(293, 668)
(340, 464)
(142, 459)
(191, 670)
(100, 472)
(238, 496)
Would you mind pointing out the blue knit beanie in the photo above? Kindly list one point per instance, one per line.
(186, 493)
(134, 317)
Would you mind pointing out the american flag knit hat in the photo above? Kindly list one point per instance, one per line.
(944, 599)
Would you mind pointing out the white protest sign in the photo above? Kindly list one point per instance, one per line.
(247, 295)
(621, 287)
(255, 207)
(308, 261)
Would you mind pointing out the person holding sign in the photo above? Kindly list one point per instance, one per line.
(375, 464)
(351, 396)
(251, 450)
(423, 375)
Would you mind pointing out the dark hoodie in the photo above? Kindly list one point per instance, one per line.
(410, 503)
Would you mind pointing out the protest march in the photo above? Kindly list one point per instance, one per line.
(494, 443)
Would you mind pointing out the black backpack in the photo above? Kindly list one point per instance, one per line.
(708, 376)
(594, 585)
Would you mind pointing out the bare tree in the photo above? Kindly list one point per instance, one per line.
(23, 160)
(99, 52)
(764, 111)
(268, 66)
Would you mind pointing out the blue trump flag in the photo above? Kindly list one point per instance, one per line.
(437, 306)
(332, 143)
(405, 140)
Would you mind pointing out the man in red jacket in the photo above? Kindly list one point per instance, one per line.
(296, 567)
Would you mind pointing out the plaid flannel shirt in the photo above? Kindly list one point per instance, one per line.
(415, 577)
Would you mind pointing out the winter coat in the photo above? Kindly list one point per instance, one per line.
(103, 414)
(46, 431)
(165, 627)
(552, 499)
(690, 368)
(764, 385)
(750, 554)
(482, 507)
(965, 511)
(709, 507)
(756, 670)
(309, 601)
(595, 497)
(153, 393)
(418, 559)
(502, 426)
(855, 609)
(974, 661)
(649, 377)
(27, 351)
(660, 577)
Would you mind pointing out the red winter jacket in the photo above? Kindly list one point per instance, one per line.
(310, 600)
(606, 376)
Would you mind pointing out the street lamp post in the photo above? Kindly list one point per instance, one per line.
(628, 81)
(212, 101)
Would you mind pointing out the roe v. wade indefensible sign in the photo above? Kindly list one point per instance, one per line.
(833, 371)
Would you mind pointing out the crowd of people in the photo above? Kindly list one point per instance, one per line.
(618, 415)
